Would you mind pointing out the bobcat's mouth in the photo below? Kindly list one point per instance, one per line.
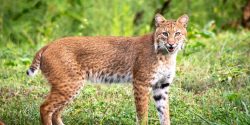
(167, 47)
(170, 49)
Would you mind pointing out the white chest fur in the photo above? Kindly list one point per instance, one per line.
(164, 72)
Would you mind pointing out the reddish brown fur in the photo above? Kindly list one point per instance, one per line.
(1, 123)
(67, 62)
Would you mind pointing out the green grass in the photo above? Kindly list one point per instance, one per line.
(212, 86)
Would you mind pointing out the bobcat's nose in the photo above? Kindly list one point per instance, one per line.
(170, 47)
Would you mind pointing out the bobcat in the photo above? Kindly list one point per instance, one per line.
(147, 61)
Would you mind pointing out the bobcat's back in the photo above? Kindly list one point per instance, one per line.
(98, 59)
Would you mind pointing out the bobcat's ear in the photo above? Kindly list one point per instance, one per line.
(183, 20)
(159, 19)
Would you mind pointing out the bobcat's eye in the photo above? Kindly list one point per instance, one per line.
(165, 33)
(177, 33)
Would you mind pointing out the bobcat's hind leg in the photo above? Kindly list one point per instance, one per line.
(57, 99)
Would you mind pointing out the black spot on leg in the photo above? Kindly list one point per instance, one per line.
(159, 110)
(164, 98)
(87, 74)
(106, 80)
(168, 76)
(157, 97)
(164, 85)
(118, 78)
(111, 80)
(123, 76)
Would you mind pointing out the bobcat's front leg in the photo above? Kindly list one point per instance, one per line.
(160, 95)
(141, 94)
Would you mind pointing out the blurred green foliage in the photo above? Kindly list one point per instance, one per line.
(41, 21)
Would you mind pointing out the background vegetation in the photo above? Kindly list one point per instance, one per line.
(212, 83)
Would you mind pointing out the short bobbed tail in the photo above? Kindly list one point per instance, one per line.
(35, 66)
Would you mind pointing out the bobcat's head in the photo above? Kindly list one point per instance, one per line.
(169, 34)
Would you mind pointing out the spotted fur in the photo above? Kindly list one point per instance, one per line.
(109, 77)
(147, 61)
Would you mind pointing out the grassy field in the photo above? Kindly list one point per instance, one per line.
(212, 87)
